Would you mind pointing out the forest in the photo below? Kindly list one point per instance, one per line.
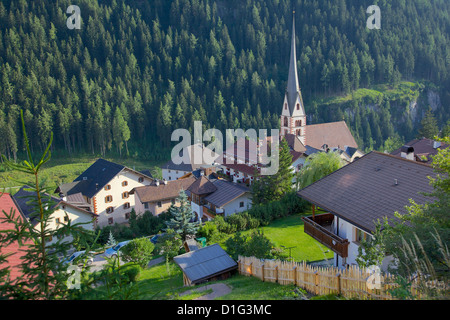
(137, 70)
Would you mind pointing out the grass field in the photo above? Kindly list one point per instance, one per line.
(61, 170)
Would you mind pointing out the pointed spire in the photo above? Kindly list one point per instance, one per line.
(293, 87)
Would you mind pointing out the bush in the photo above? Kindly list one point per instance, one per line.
(139, 251)
(131, 270)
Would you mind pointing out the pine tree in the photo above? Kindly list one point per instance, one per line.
(111, 241)
(274, 187)
(429, 127)
(181, 218)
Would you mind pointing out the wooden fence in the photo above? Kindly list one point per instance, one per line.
(351, 283)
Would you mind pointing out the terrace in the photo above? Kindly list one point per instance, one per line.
(320, 228)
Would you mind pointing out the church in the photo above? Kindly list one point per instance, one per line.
(303, 139)
(324, 136)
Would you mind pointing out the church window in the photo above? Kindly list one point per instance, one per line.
(285, 106)
(298, 106)
(285, 121)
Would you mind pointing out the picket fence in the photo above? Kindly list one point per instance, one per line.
(352, 282)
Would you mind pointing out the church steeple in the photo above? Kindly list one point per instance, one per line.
(293, 116)
(293, 88)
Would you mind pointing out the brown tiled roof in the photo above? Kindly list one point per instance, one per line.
(202, 186)
(365, 190)
(170, 190)
(333, 134)
(422, 147)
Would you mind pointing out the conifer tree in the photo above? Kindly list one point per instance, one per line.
(181, 218)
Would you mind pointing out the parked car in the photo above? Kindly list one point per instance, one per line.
(113, 251)
(88, 260)
(155, 238)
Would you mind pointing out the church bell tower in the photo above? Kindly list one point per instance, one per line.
(293, 116)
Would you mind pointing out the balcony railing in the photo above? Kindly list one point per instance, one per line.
(319, 228)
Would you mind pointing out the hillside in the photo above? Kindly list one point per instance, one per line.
(137, 70)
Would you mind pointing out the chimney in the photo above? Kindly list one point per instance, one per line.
(407, 152)
(157, 183)
(165, 181)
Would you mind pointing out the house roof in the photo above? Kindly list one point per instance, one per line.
(171, 190)
(188, 155)
(202, 186)
(332, 134)
(421, 148)
(12, 251)
(225, 192)
(365, 190)
(25, 198)
(205, 263)
(94, 178)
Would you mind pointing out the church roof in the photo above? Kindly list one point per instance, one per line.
(293, 87)
(332, 134)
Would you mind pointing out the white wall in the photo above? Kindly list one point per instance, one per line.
(75, 215)
(233, 206)
(116, 192)
(170, 175)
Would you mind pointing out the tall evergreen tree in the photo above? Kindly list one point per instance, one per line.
(429, 127)
(181, 220)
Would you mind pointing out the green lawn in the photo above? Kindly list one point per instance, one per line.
(288, 232)
(156, 284)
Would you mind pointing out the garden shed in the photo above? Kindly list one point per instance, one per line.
(205, 264)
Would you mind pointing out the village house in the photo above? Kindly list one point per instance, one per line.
(420, 150)
(63, 212)
(106, 187)
(211, 197)
(160, 195)
(359, 195)
(172, 171)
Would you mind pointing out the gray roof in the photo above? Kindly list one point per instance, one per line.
(27, 201)
(94, 178)
(204, 263)
(226, 192)
(371, 188)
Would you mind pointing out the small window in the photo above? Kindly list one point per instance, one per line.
(141, 179)
(109, 210)
(159, 204)
(285, 106)
(241, 204)
(66, 218)
(57, 221)
(173, 201)
(124, 183)
(360, 235)
(108, 187)
(127, 205)
(125, 195)
(127, 215)
(108, 199)
(110, 220)
(298, 106)
(146, 205)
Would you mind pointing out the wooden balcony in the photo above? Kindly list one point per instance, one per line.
(320, 229)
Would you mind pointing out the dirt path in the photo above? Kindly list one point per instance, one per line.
(219, 289)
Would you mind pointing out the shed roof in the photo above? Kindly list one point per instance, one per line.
(205, 263)
(371, 188)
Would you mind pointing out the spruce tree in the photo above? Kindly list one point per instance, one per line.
(181, 217)
(429, 127)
